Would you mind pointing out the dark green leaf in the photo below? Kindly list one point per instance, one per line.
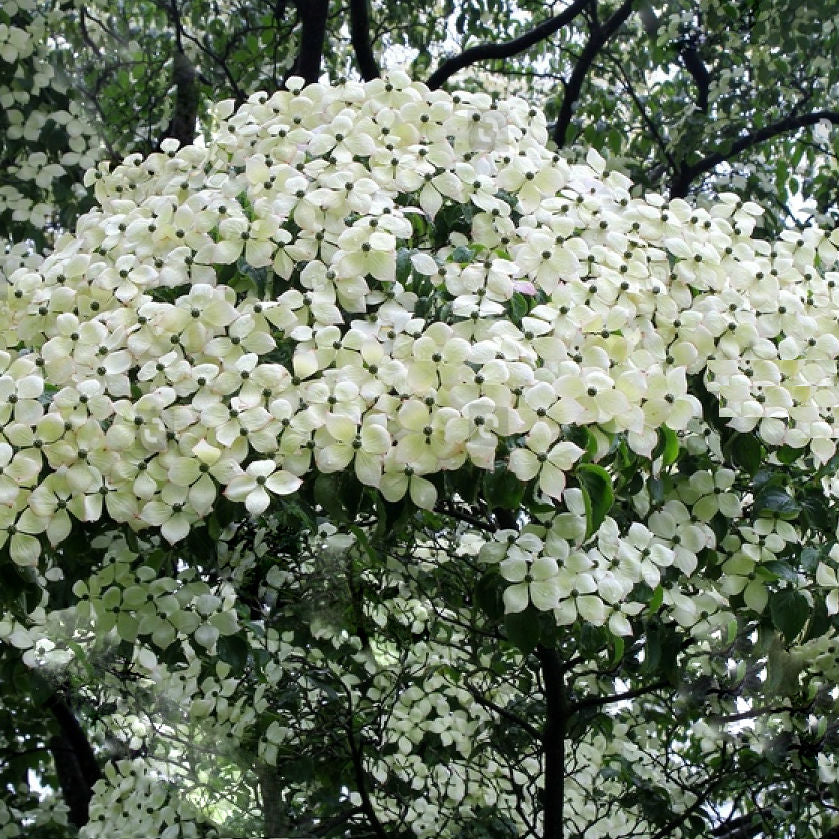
(234, 650)
(597, 489)
(488, 594)
(462, 254)
(789, 610)
(403, 265)
(781, 569)
(747, 452)
(502, 489)
(522, 629)
(667, 447)
(787, 454)
(773, 500)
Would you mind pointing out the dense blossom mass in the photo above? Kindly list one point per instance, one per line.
(238, 314)
(397, 283)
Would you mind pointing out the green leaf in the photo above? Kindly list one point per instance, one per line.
(327, 495)
(656, 600)
(819, 623)
(746, 451)
(620, 645)
(597, 490)
(519, 306)
(403, 265)
(661, 651)
(502, 489)
(522, 629)
(780, 569)
(489, 594)
(810, 559)
(783, 670)
(773, 500)
(234, 650)
(787, 454)
(667, 447)
(789, 610)
(462, 254)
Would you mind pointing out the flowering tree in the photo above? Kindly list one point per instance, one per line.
(372, 457)
(371, 469)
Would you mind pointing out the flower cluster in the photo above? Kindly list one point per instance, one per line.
(341, 280)
(135, 801)
(48, 138)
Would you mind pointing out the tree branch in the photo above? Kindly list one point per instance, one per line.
(75, 763)
(360, 779)
(599, 38)
(696, 67)
(688, 52)
(504, 712)
(697, 805)
(598, 701)
(270, 786)
(313, 14)
(75, 736)
(86, 35)
(184, 77)
(360, 36)
(553, 741)
(645, 117)
(505, 49)
(687, 174)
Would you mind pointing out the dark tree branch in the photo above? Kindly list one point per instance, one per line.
(221, 61)
(696, 67)
(175, 16)
(686, 175)
(697, 805)
(515, 719)
(553, 741)
(600, 36)
(185, 113)
(505, 49)
(645, 117)
(447, 508)
(688, 52)
(360, 36)
(75, 736)
(75, 762)
(86, 35)
(184, 78)
(747, 826)
(360, 777)
(598, 701)
(313, 14)
(270, 787)
(74, 789)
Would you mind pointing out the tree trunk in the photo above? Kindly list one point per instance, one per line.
(272, 812)
(553, 742)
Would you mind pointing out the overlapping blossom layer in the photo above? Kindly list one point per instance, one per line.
(396, 281)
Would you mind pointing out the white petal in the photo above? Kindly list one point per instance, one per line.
(515, 598)
(257, 501)
(175, 529)
(283, 483)
(423, 493)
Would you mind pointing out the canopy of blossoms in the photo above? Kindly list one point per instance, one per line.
(378, 278)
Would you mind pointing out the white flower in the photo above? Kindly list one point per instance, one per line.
(542, 457)
(259, 477)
